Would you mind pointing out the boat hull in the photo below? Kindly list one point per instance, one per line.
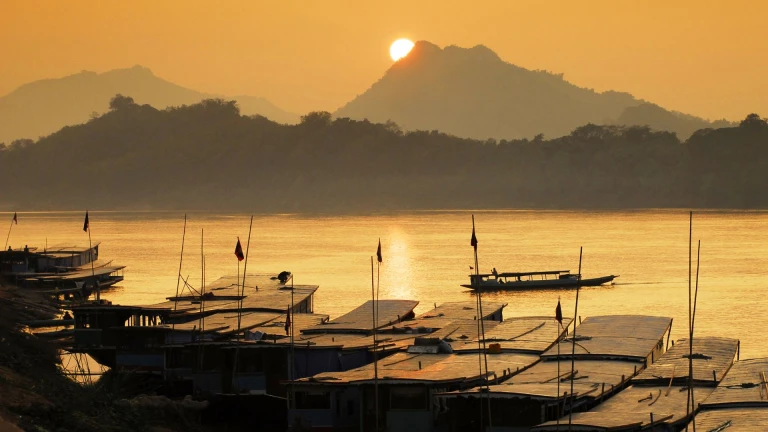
(541, 284)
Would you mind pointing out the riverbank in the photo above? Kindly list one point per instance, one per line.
(36, 396)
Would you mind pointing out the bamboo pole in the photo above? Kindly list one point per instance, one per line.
(573, 340)
(178, 278)
(375, 354)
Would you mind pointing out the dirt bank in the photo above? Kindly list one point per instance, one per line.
(36, 396)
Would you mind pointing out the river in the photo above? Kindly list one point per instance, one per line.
(428, 254)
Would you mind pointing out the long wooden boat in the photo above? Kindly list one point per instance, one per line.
(532, 280)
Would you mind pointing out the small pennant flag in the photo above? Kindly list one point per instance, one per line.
(287, 321)
(15, 219)
(378, 252)
(86, 224)
(473, 242)
(239, 251)
(559, 313)
(471, 268)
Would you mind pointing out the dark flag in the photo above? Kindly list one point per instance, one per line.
(85, 224)
(239, 251)
(287, 321)
(378, 252)
(559, 313)
(473, 242)
(471, 268)
(15, 219)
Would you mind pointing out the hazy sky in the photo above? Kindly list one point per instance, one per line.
(706, 58)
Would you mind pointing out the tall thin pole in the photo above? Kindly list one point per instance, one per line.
(480, 335)
(240, 301)
(573, 339)
(8, 237)
(375, 353)
(181, 259)
(689, 401)
(557, 398)
(93, 270)
(376, 382)
(693, 326)
(293, 352)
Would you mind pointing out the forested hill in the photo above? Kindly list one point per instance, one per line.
(472, 92)
(209, 157)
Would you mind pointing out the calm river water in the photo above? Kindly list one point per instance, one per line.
(427, 255)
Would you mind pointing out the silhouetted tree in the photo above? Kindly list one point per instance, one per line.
(121, 102)
(753, 121)
(317, 119)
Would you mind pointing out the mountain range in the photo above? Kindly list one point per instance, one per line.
(467, 92)
(42, 107)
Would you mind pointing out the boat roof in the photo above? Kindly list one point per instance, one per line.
(540, 381)
(534, 334)
(261, 292)
(406, 368)
(77, 274)
(516, 274)
(631, 409)
(67, 249)
(444, 315)
(710, 355)
(740, 419)
(614, 336)
(743, 386)
(360, 319)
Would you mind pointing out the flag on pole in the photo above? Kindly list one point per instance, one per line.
(559, 313)
(473, 242)
(15, 219)
(471, 268)
(239, 251)
(85, 224)
(378, 252)
(287, 321)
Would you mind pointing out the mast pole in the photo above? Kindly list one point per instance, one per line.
(689, 401)
(573, 340)
(693, 325)
(178, 277)
(375, 353)
(90, 252)
(557, 399)
(240, 301)
(8, 237)
(479, 316)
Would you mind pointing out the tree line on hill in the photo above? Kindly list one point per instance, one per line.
(207, 156)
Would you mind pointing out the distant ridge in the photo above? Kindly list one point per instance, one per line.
(45, 106)
(471, 92)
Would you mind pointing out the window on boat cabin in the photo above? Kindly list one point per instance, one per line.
(408, 398)
(313, 400)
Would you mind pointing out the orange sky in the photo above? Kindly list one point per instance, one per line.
(702, 57)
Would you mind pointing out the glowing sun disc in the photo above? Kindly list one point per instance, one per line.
(400, 48)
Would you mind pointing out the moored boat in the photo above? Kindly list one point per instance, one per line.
(531, 280)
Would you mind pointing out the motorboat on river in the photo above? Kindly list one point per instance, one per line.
(531, 280)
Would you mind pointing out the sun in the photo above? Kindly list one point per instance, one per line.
(400, 48)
